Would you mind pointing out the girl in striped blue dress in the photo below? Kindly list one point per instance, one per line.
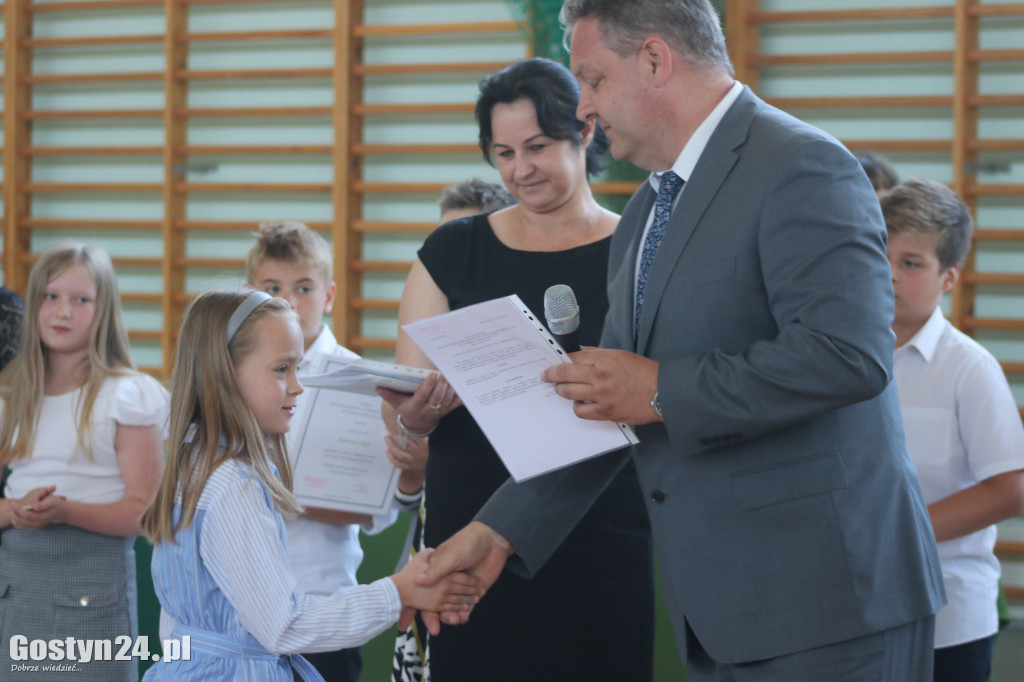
(220, 566)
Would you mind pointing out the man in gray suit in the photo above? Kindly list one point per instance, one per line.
(749, 341)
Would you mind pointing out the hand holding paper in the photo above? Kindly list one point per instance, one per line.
(608, 384)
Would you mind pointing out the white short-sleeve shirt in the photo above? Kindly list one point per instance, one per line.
(962, 427)
(132, 400)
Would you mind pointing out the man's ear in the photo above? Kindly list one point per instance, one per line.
(656, 60)
(950, 277)
(329, 299)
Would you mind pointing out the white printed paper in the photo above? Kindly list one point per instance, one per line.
(338, 450)
(492, 354)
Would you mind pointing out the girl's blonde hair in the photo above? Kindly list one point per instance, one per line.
(210, 422)
(22, 381)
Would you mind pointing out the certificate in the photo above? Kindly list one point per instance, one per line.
(492, 354)
(338, 451)
(359, 375)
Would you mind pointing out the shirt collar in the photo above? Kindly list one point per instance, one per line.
(687, 161)
(927, 337)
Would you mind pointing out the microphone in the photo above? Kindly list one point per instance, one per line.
(562, 314)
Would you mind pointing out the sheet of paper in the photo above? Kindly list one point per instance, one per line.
(362, 376)
(493, 354)
(337, 449)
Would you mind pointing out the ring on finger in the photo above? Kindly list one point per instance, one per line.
(436, 408)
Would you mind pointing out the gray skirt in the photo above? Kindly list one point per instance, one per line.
(59, 582)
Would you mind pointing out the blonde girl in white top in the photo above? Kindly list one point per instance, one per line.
(82, 434)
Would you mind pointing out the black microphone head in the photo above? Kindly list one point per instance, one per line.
(561, 310)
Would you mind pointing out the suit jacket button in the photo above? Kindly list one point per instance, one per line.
(657, 497)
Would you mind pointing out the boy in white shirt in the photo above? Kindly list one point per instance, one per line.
(291, 261)
(963, 428)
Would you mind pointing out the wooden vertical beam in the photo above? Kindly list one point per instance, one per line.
(965, 129)
(17, 139)
(346, 241)
(741, 37)
(175, 129)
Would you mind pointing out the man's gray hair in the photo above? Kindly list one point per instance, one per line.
(690, 27)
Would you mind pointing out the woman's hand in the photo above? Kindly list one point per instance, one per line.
(420, 412)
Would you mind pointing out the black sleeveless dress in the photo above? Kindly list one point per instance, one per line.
(588, 614)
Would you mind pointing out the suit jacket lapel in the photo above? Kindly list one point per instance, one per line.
(717, 159)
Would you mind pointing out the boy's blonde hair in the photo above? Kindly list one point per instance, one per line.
(210, 421)
(22, 381)
(927, 207)
(291, 242)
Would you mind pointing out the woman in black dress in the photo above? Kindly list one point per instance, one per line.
(588, 613)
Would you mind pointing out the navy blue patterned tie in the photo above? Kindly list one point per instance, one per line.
(670, 186)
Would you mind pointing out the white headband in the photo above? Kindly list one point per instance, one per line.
(244, 310)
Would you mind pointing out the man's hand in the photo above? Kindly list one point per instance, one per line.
(608, 385)
(476, 549)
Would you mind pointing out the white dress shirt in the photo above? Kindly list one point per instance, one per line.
(962, 427)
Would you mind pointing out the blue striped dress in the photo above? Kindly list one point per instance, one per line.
(228, 584)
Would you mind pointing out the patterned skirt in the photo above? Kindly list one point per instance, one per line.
(62, 582)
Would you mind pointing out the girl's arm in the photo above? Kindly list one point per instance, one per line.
(140, 457)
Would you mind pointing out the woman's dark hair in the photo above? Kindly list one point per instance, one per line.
(555, 95)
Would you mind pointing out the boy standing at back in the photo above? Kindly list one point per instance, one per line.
(291, 261)
(963, 429)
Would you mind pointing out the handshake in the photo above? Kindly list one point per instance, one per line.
(444, 584)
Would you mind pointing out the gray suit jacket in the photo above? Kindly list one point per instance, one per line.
(786, 511)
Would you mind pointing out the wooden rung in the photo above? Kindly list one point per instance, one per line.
(852, 58)
(139, 335)
(433, 188)
(369, 342)
(379, 266)
(91, 5)
(85, 187)
(1013, 592)
(994, 190)
(141, 298)
(995, 323)
(1009, 547)
(227, 150)
(94, 151)
(372, 304)
(995, 145)
(236, 225)
(237, 74)
(995, 10)
(226, 36)
(67, 78)
(411, 109)
(1004, 235)
(215, 263)
(858, 102)
(40, 43)
(995, 55)
(62, 224)
(996, 100)
(901, 145)
(615, 187)
(1012, 367)
(850, 15)
(39, 115)
(258, 187)
(233, 2)
(365, 149)
(133, 262)
(436, 68)
(993, 278)
(262, 112)
(392, 226)
(435, 29)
